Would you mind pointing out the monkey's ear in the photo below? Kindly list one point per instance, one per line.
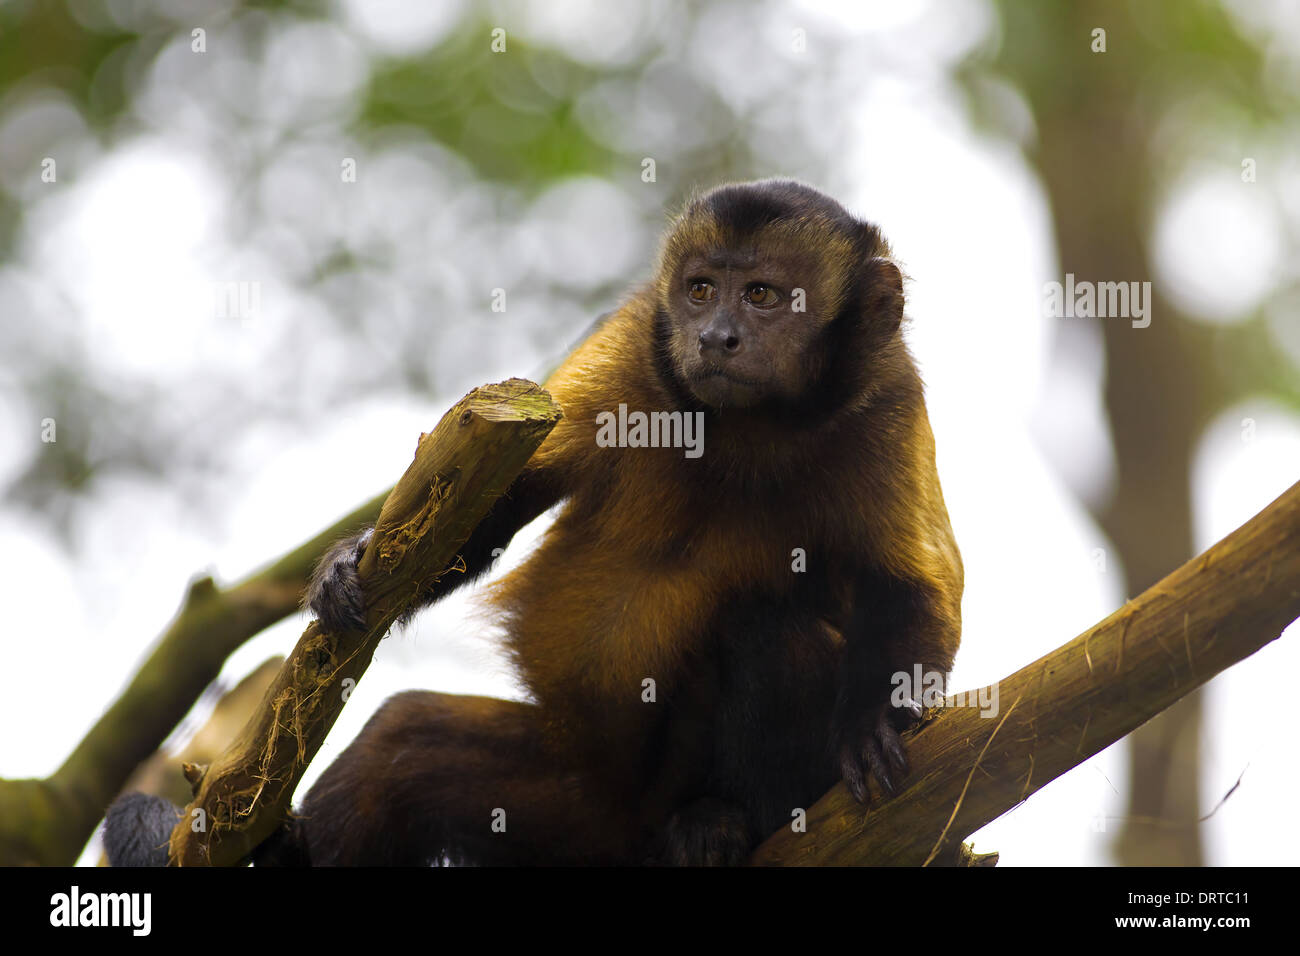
(884, 292)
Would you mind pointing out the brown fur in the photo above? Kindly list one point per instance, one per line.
(769, 683)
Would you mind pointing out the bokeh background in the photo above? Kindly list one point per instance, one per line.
(365, 173)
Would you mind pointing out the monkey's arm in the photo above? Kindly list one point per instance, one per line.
(895, 627)
(905, 599)
(335, 595)
(585, 384)
(905, 614)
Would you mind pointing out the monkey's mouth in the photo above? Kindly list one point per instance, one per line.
(713, 371)
(722, 388)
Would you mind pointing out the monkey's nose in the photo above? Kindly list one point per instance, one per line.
(722, 340)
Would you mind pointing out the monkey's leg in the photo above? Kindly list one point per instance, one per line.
(441, 777)
(708, 832)
(775, 682)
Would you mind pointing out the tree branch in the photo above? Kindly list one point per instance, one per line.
(1054, 714)
(48, 821)
(460, 469)
(967, 769)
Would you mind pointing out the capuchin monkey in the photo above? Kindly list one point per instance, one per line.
(711, 635)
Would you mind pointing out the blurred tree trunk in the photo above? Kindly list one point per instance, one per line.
(1095, 120)
(1153, 404)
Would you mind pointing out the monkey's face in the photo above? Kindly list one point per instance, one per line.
(747, 324)
(770, 295)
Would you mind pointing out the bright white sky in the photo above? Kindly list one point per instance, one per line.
(142, 231)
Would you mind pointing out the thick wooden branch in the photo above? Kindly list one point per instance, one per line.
(968, 769)
(465, 464)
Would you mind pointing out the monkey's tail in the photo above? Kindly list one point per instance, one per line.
(137, 829)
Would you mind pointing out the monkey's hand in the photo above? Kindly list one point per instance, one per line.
(334, 594)
(866, 742)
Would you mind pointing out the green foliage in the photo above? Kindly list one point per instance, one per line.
(491, 108)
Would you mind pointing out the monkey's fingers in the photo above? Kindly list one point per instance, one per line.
(335, 595)
(878, 753)
(884, 756)
(908, 714)
(892, 746)
(855, 778)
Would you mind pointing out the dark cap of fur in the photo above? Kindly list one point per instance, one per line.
(744, 208)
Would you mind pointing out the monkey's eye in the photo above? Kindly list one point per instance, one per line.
(702, 290)
(763, 296)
